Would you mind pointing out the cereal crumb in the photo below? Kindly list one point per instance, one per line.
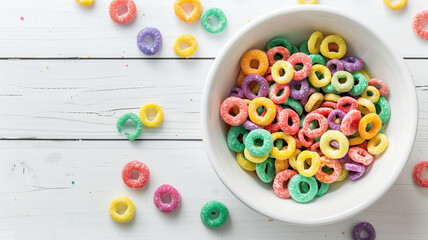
(126, 65)
(270, 220)
(14, 199)
(343, 233)
(22, 18)
(191, 99)
(248, 20)
(144, 14)
(47, 67)
(72, 182)
(26, 214)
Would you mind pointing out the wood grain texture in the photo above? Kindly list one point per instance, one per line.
(82, 99)
(67, 29)
(40, 201)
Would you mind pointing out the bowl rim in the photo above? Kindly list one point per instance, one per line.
(413, 111)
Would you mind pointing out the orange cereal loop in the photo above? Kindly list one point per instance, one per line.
(257, 56)
(376, 125)
(193, 16)
(281, 165)
(240, 78)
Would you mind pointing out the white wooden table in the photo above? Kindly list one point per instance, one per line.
(68, 72)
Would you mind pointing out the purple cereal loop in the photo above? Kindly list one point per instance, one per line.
(250, 125)
(302, 92)
(334, 62)
(331, 124)
(264, 86)
(354, 167)
(335, 144)
(346, 159)
(304, 100)
(355, 175)
(364, 226)
(352, 64)
(236, 92)
(157, 41)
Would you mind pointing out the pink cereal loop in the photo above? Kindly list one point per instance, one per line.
(173, 193)
(278, 183)
(322, 122)
(422, 33)
(325, 111)
(283, 117)
(329, 104)
(307, 65)
(274, 91)
(316, 148)
(383, 90)
(360, 155)
(346, 104)
(417, 174)
(302, 139)
(350, 122)
(227, 105)
(281, 50)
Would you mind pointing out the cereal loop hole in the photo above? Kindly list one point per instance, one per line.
(188, 8)
(121, 209)
(333, 47)
(214, 214)
(166, 198)
(254, 63)
(122, 9)
(135, 174)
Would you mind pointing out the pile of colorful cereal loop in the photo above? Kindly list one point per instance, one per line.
(309, 116)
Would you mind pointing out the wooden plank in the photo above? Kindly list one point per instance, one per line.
(75, 99)
(66, 29)
(40, 201)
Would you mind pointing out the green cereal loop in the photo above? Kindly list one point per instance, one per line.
(294, 49)
(302, 117)
(304, 48)
(252, 145)
(214, 214)
(297, 194)
(382, 130)
(266, 170)
(342, 87)
(383, 109)
(361, 86)
(295, 105)
(329, 89)
(281, 42)
(317, 59)
(232, 138)
(135, 119)
(322, 188)
(218, 13)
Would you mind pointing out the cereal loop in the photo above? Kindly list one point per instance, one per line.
(123, 18)
(380, 85)
(317, 132)
(85, 2)
(360, 155)
(282, 66)
(143, 174)
(121, 217)
(167, 207)
(256, 55)
(227, 105)
(377, 144)
(314, 42)
(342, 87)
(288, 151)
(365, 106)
(281, 165)
(283, 119)
(328, 150)
(136, 120)
(180, 13)
(254, 159)
(347, 104)
(333, 39)
(376, 124)
(417, 174)
(325, 177)
(314, 79)
(279, 186)
(350, 122)
(315, 163)
(214, 214)
(158, 118)
(295, 191)
(307, 65)
(276, 88)
(304, 2)
(314, 102)
(356, 232)
(395, 6)
(244, 163)
(187, 52)
(278, 51)
(270, 113)
(207, 25)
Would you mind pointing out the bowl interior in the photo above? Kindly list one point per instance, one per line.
(343, 199)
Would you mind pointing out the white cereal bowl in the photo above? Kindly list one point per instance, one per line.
(343, 199)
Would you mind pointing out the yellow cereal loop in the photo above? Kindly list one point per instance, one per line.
(292, 160)
(377, 144)
(343, 174)
(333, 40)
(309, 2)
(85, 2)
(288, 151)
(395, 6)
(315, 163)
(187, 52)
(331, 97)
(332, 152)
(254, 159)
(314, 102)
(270, 111)
(258, 56)
(314, 42)
(313, 78)
(371, 93)
(362, 126)
(286, 67)
(356, 141)
(158, 118)
(129, 211)
(244, 163)
(365, 106)
(365, 74)
(193, 16)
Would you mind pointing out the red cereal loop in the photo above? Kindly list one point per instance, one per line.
(143, 174)
(268, 75)
(227, 105)
(124, 18)
(273, 127)
(350, 122)
(363, 145)
(329, 104)
(298, 143)
(283, 119)
(331, 163)
(383, 90)
(360, 155)
(307, 65)
(275, 50)
(278, 183)
(316, 148)
(417, 174)
(273, 95)
(322, 122)
(346, 104)
(422, 33)
(325, 111)
(304, 140)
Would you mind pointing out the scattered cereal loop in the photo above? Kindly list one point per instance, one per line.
(395, 6)
(124, 18)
